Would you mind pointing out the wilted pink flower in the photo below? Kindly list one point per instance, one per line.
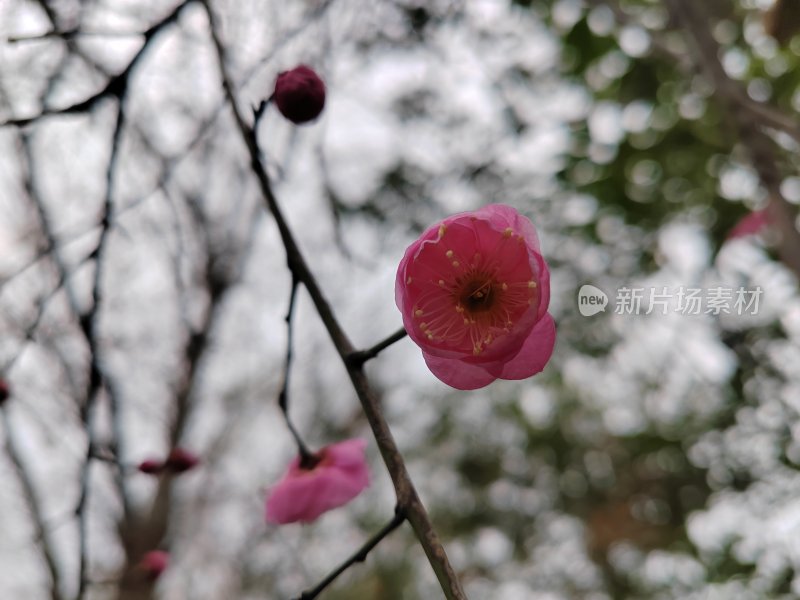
(750, 224)
(338, 475)
(299, 94)
(473, 291)
(4, 390)
(154, 563)
(151, 466)
(180, 460)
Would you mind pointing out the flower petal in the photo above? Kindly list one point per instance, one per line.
(303, 495)
(534, 354)
(457, 373)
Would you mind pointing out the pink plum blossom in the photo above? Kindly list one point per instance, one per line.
(473, 291)
(338, 474)
(154, 563)
(299, 94)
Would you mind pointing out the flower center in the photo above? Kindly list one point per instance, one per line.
(478, 296)
(469, 294)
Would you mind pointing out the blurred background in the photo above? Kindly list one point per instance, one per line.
(655, 457)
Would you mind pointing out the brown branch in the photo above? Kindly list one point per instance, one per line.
(359, 357)
(283, 395)
(360, 555)
(115, 86)
(734, 101)
(95, 384)
(407, 498)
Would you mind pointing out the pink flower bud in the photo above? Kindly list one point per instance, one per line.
(338, 475)
(299, 94)
(473, 291)
(4, 391)
(151, 466)
(154, 563)
(181, 460)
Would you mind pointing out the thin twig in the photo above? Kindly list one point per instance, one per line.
(359, 556)
(115, 86)
(283, 395)
(32, 504)
(359, 357)
(88, 322)
(407, 497)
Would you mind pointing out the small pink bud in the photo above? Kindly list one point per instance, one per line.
(299, 94)
(4, 391)
(151, 466)
(181, 460)
(154, 563)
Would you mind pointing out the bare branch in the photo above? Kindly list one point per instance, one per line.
(115, 87)
(283, 395)
(407, 497)
(29, 496)
(359, 556)
(358, 358)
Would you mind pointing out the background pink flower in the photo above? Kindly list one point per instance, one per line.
(339, 475)
(473, 291)
(154, 563)
(750, 224)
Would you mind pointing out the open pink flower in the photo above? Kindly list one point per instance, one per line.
(338, 475)
(473, 291)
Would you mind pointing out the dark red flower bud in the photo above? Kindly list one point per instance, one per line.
(151, 466)
(180, 460)
(154, 563)
(4, 391)
(299, 94)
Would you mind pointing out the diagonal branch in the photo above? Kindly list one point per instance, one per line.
(407, 497)
(359, 357)
(359, 556)
(115, 86)
(33, 506)
(283, 395)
